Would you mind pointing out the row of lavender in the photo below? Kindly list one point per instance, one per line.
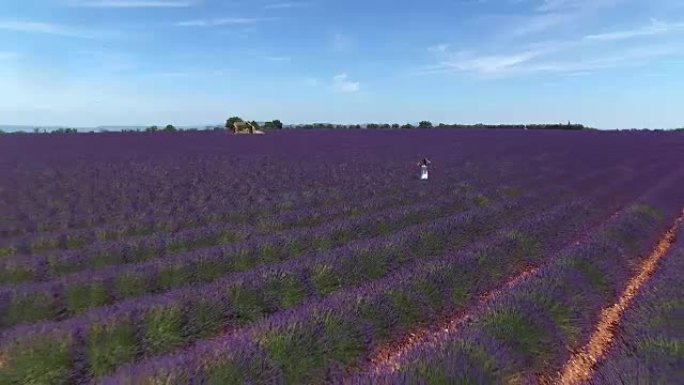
(75, 293)
(526, 335)
(86, 196)
(233, 210)
(205, 311)
(200, 230)
(124, 186)
(250, 222)
(372, 223)
(648, 348)
(318, 342)
(259, 217)
(171, 322)
(188, 226)
(215, 239)
(82, 196)
(119, 185)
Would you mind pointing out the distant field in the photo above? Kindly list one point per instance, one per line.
(319, 257)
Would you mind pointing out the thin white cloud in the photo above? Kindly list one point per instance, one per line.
(555, 5)
(656, 28)
(548, 61)
(574, 5)
(540, 23)
(220, 22)
(342, 85)
(48, 29)
(637, 57)
(557, 13)
(585, 54)
(134, 3)
(288, 5)
(485, 64)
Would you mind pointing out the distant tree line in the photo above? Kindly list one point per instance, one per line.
(64, 131)
(168, 128)
(278, 125)
(45, 131)
(428, 124)
(650, 130)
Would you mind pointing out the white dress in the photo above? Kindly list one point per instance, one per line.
(423, 172)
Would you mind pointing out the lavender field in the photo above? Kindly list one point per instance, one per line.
(319, 257)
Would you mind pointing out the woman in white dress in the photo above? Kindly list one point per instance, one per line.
(424, 168)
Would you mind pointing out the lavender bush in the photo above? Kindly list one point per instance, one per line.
(648, 344)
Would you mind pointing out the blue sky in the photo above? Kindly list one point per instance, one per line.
(606, 63)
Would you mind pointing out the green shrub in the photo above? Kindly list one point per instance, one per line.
(145, 253)
(208, 317)
(209, 269)
(164, 329)
(7, 251)
(111, 345)
(343, 339)
(381, 322)
(248, 303)
(133, 284)
(43, 361)
(411, 312)
(16, 273)
(85, 296)
(520, 333)
(103, 258)
(287, 290)
(174, 275)
(325, 279)
(298, 354)
(243, 260)
(32, 307)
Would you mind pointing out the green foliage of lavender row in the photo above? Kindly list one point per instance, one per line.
(78, 239)
(535, 327)
(167, 327)
(287, 290)
(310, 344)
(141, 250)
(531, 325)
(132, 282)
(40, 206)
(649, 343)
